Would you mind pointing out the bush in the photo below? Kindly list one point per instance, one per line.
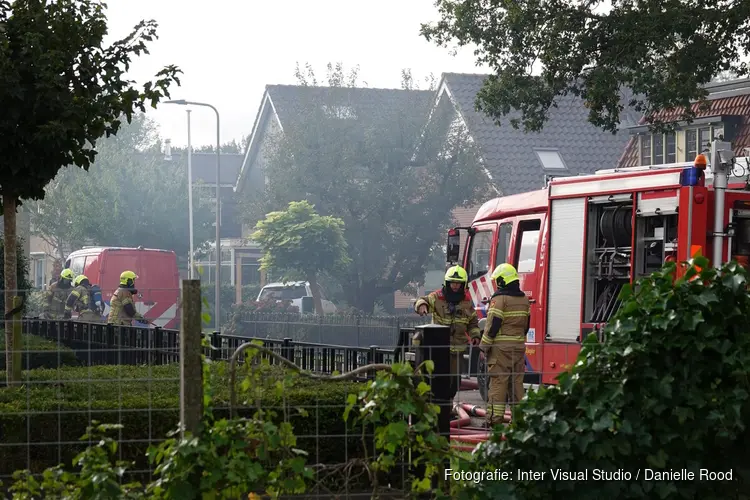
(666, 391)
(59, 404)
(42, 353)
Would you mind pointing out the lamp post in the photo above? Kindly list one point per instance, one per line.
(217, 278)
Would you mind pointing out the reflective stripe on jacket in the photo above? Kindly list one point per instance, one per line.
(461, 317)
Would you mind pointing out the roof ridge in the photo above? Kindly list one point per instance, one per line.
(333, 87)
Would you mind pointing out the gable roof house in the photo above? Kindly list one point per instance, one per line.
(727, 117)
(283, 106)
(515, 161)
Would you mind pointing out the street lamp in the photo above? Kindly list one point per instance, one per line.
(217, 278)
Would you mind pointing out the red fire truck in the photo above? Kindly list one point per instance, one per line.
(579, 240)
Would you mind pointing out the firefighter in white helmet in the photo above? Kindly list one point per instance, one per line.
(504, 341)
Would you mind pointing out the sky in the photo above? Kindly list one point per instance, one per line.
(229, 50)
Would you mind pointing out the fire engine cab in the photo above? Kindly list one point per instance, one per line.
(579, 240)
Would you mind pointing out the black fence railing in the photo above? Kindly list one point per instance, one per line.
(336, 329)
(102, 344)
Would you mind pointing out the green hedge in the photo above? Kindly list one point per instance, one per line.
(52, 413)
(666, 392)
(42, 353)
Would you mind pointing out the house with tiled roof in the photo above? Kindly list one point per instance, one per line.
(516, 161)
(727, 117)
(282, 111)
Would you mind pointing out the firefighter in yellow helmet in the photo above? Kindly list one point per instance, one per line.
(452, 306)
(80, 301)
(121, 307)
(503, 341)
(56, 295)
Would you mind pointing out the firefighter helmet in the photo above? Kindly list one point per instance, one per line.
(127, 279)
(80, 280)
(66, 274)
(504, 274)
(456, 274)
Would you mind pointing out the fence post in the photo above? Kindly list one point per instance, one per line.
(216, 351)
(191, 362)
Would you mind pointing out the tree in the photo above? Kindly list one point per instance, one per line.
(298, 241)
(22, 270)
(61, 90)
(129, 197)
(663, 51)
(355, 162)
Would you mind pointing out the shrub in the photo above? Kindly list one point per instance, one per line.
(42, 353)
(59, 404)
(666, 391)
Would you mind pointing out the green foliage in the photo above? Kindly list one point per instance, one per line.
(658, 49)
(349, 151)
(130, 196)
(80, 91)
(385, 405)
(667, 391)
(61, 401)
(235, 456)
(298, 240)
(41, 353)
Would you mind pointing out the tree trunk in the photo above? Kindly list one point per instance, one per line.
(11, 275)
(313, 280)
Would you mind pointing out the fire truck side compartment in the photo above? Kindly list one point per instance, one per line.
(566, 249)
(608, 254)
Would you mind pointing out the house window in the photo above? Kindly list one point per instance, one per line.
(658, 149)
(698, 140)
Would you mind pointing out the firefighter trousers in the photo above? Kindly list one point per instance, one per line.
(505, 375)
(455, 377)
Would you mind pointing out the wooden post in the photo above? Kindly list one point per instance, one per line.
(191, 363)
(17, 345)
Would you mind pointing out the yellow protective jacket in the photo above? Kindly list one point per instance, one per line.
(78, 300)
(462, 319)
(55, 300)
(122, 308)
(508, 318)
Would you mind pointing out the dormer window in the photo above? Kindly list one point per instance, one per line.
(699, 139)
(657, 149)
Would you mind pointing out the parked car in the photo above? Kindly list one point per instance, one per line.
(298, 292)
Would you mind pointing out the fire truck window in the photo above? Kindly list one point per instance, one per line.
(528, 242)
(479, 254)
(76, 265)
(503, 243)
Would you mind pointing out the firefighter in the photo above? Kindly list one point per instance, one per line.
(80, 301)
(56, 294)
(121, 306)
(452, 306)
(504, 341)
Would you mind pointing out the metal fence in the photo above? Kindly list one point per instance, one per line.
(343, 330)
(101, 344)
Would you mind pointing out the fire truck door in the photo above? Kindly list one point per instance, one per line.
(525, 259)
(478, 265)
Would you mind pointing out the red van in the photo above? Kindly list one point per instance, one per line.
(158, 278)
